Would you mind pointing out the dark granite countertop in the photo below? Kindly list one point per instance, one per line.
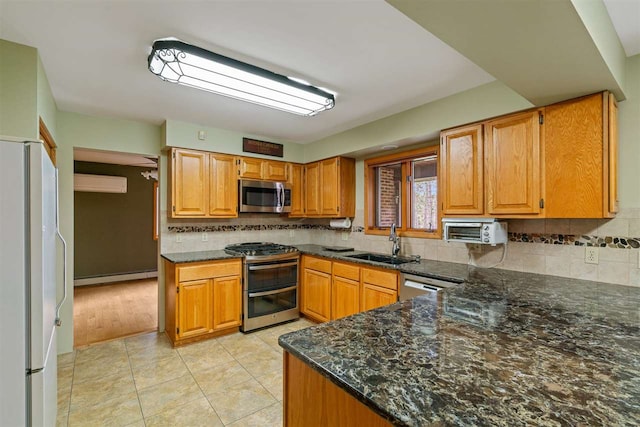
(504, 348)
(180, 257)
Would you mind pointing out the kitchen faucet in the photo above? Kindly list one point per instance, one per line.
(395, 249)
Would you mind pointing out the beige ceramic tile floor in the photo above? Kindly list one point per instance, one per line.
(235, 380)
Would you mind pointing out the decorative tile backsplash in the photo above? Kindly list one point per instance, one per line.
(570, 239)
(253, 227)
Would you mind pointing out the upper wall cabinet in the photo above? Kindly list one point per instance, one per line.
(581, 158)
(330, 188)
(462, 176)
(296, 180)
(512, 164)
(252, 168)
(492, 168)
(559, 161)
(203, 185)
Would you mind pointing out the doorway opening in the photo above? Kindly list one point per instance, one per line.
(115, 245)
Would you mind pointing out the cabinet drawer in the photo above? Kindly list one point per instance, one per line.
(386, 279)
(348, 271)
(317, 264)
(208, 270)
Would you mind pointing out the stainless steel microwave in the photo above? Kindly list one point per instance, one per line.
(486, 231)
(264, 196)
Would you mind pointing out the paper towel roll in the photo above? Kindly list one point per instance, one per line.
(340, 223)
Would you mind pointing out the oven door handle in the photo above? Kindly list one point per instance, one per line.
(272, 266)
(277, 291)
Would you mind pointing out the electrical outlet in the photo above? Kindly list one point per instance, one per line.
(638, 259)
(178, 237)
(292, 233)
(205, 237)
(345, 235)
(202, 135)
(591, 254)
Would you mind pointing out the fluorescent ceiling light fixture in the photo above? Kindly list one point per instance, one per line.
(178, 62)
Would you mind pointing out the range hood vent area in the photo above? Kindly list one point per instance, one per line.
(99, 183)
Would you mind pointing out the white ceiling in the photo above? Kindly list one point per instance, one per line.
(378, 61)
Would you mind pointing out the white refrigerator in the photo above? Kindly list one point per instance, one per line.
(29, 310)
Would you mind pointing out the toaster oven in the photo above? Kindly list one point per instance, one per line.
(486, 231)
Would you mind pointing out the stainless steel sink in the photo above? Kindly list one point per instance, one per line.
(387, 259)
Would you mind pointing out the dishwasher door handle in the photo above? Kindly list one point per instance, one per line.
(423, 286)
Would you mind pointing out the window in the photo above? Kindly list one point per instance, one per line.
(402, 189)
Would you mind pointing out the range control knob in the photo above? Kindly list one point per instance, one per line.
(486, 240)
(486, 233)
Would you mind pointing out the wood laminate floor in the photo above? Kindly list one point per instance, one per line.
(115, 310)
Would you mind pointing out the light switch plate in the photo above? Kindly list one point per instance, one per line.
(345, 235)
(205, 237)
(178, 238)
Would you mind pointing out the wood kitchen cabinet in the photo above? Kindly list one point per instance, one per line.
(262, 169)
(379, 288)
(512, 164)
(492, 168)
(316, 288)
(581, 158)
(331, 290)
(189, 183)
(330, 188)
(345, 290)
(559, 161)
(202, 299)
(203, 185)
(296, 180)
(462, 170)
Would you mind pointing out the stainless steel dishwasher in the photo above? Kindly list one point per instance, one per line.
(412, 285)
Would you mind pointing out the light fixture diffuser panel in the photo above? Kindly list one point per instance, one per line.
(178, 62)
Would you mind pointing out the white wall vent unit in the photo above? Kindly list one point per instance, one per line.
(99, 183)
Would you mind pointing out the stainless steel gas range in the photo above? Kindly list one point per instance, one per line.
(270, 283)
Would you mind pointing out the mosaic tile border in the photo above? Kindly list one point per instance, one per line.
(254, 227)
(577, 240)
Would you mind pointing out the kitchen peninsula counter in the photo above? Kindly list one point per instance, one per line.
(504, 348)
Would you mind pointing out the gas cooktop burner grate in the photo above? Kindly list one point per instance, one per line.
(259, 248)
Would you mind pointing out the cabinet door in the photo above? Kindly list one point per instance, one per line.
(312, 189)
(345, 297)
(316, 294)
(274, 171)
(461, 170)
(512, 164)
(227, 302)
(612, 201)
(330, 187)
(250, 168)
(223, 186)
(189, 183)
(194, 308)
(375, 296)
(297, 190)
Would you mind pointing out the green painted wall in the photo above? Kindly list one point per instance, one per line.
(113, 231)
(422, 123)
(629, 136)
(18, 90)
(185, 135)
(47, 108)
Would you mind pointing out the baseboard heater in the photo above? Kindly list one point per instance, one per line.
(115, 278)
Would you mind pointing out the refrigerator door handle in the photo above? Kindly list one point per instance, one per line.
(64, 255)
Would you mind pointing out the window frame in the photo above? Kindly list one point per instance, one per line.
(370, 189)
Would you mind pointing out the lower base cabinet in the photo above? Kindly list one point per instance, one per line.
(202, 299)
(312, 400)
(331, 290)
